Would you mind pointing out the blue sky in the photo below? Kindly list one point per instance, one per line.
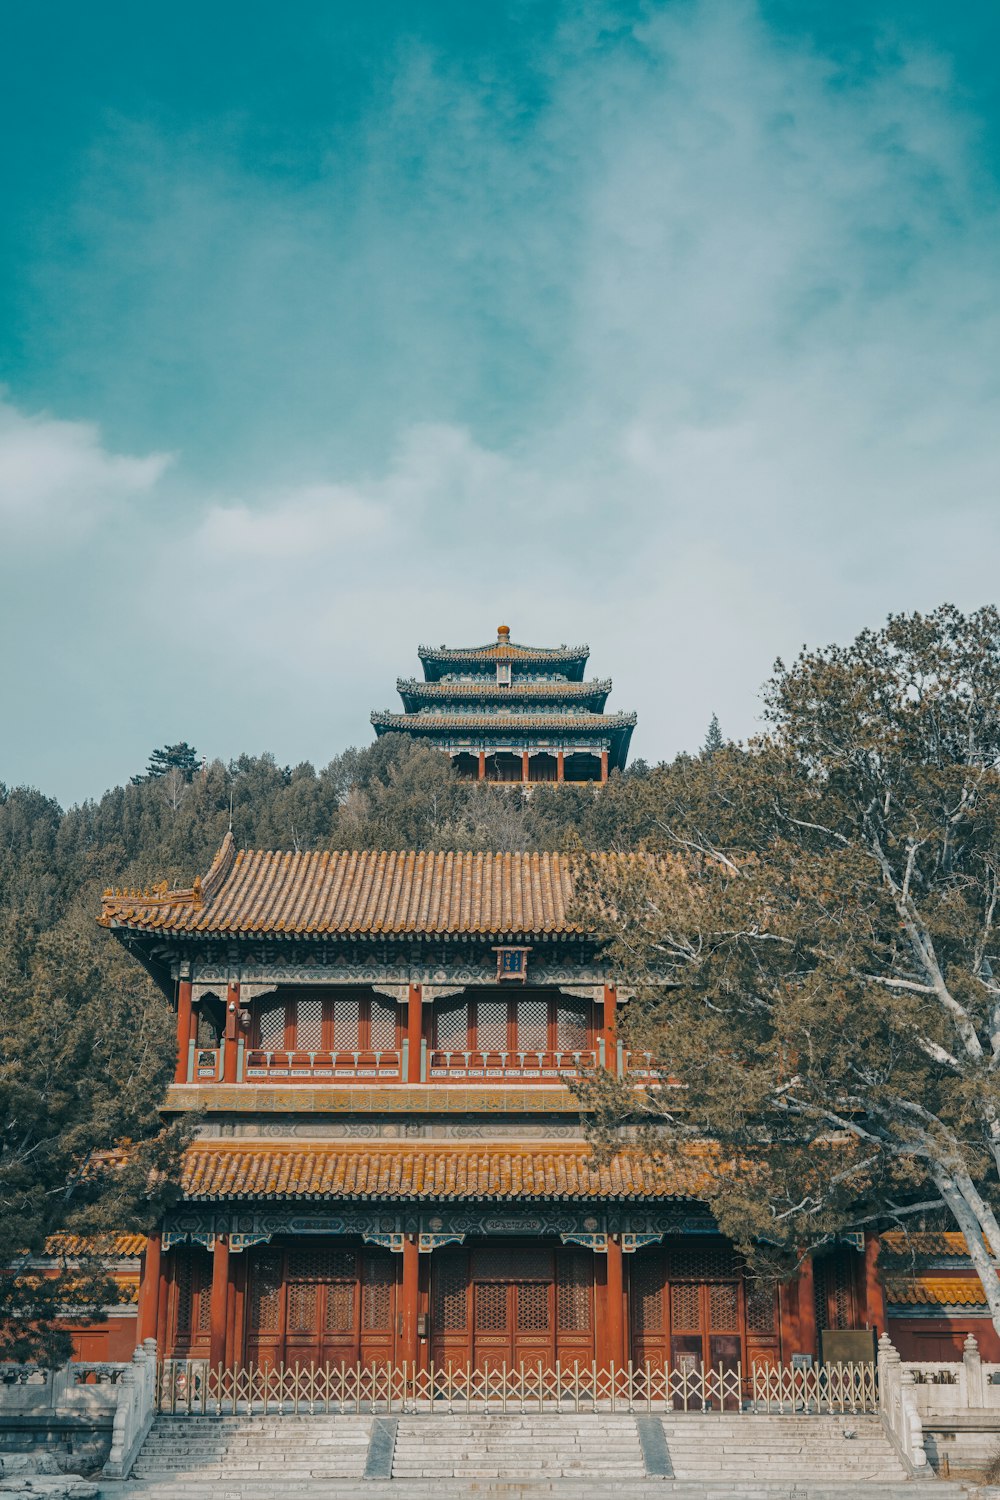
(326, 330)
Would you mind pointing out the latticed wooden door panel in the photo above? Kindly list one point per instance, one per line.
(451, 1309)
(192, 1299)
(687, 1306)
(321, 1304)
(265, 1309)
(513, 1304)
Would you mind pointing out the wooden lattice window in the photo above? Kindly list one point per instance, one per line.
(761, 1308)
(339, 1307)
(302, 1299)
(529, 1023)
(647, 1294)
(685, 1306)
(491, 1306)
(310, 1022)
(451, 1281)
(703, 1263)
(571, 1025)
(377, 1282)
(265, 1293)
(574, 1292)
(532, 1306)
(723, 1305)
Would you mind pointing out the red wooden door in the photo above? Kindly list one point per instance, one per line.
(680, 1319)
(316, 1305)
(513, 1306)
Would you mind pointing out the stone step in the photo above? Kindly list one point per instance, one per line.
(555, 1489)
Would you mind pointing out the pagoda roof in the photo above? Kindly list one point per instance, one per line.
(458, 1173)
(259, 893)
(437, 661)
(413, 692)
(586, 727)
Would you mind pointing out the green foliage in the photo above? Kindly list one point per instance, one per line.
(182, 758)
(713, 738)
(85, 1043)
(823, 933)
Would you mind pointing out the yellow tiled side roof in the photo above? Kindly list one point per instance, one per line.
(935, 1291)
(363, 1173)
(947, 1242)
(368, 892)
(76, 1245)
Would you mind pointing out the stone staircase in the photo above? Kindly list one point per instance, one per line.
(734, 1449)
(534, 1456)
(185, 1451)
(538, 1446)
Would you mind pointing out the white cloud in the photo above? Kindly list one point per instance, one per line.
(57, 478)
(750, 307)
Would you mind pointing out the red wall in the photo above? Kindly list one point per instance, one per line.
(942, 1338)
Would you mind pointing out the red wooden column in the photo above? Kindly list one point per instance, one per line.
(149, 1290)
(219, 1305)
(410, 1301)
(604, 765)
(807, 1309)
(614, 1337)
(162, 1307)
(183, 1030)
(482, 765)
(232, 1031)
(874, 1290)
(610, 1028)
(414, 1031)
(525, 768)
(560, 765)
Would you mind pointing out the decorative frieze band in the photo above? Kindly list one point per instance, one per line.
(577, 1226)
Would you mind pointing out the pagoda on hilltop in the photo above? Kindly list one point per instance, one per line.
(511, 713)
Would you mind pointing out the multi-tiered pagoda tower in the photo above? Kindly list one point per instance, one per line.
(512, 713)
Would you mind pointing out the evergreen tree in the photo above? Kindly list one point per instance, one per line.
(713, 739)
(823, 936)
(181, 758)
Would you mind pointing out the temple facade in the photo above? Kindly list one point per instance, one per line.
(511, 713)
(389, 1164)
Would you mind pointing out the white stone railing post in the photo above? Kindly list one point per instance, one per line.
(913, 1427)
(972, 1369)
(134, 1412)
(897, 1404)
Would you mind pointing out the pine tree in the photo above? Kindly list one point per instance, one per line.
(182, 758)
(713, 739)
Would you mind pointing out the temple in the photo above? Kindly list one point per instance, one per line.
(511, 713)
(389, 1165)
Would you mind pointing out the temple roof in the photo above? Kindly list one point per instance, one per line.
(415, 693)
(440, 1173)
(576, 723)
(260, 892)
(569, 660)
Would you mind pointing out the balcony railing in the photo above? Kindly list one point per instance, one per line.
(207, 1064)
(524, 1066)
(308, 1065)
